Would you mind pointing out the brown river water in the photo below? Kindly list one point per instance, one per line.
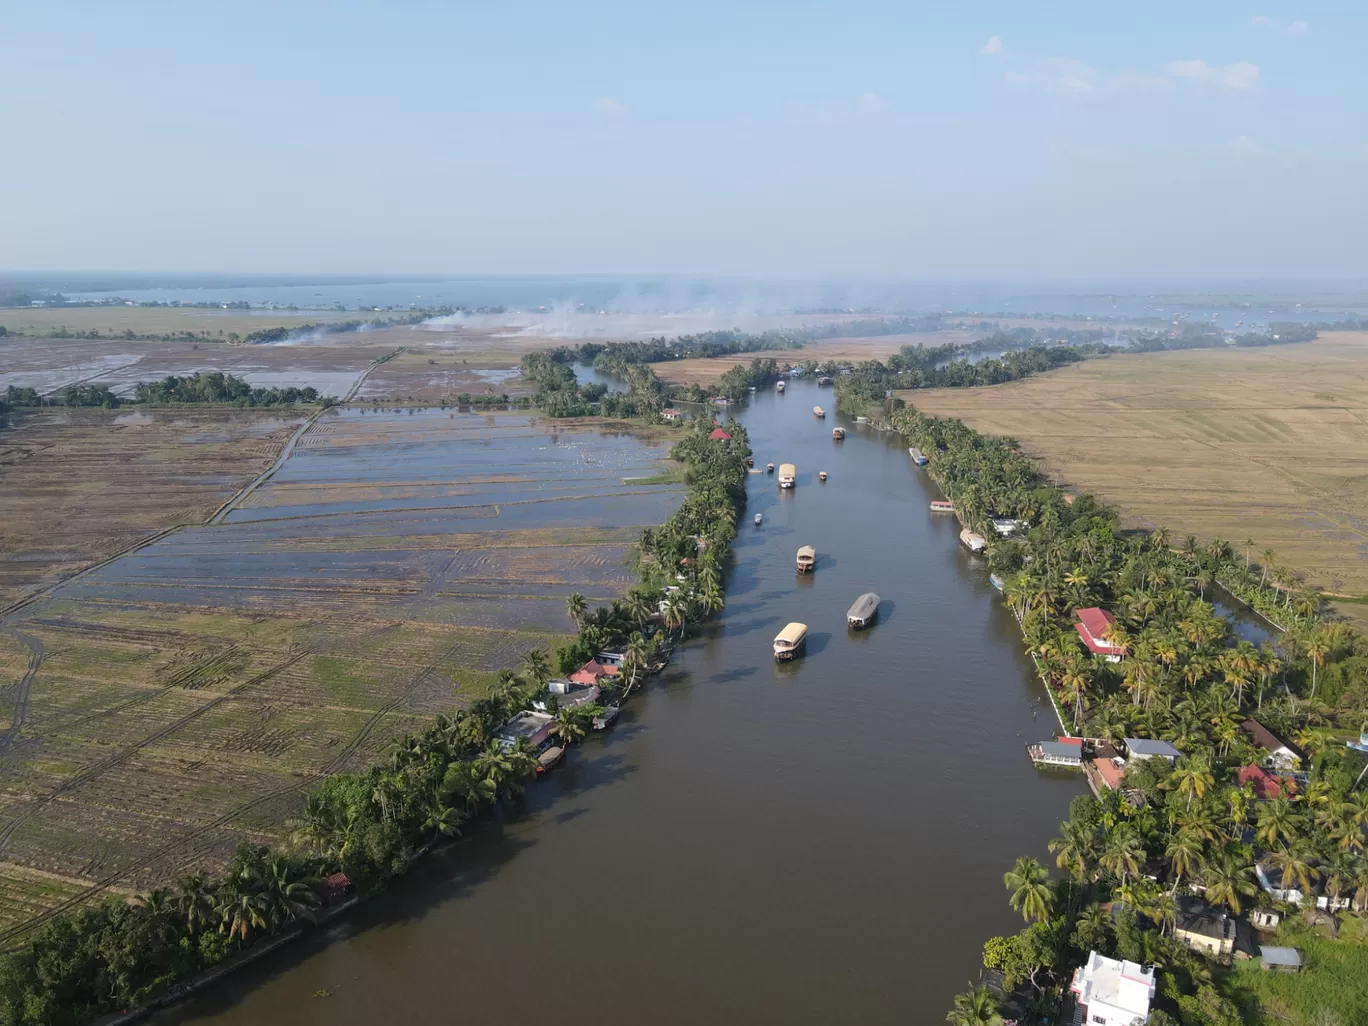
(819, 842)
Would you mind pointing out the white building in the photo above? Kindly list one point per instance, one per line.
(1112, 992)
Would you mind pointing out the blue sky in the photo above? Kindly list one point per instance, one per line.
(987, 140)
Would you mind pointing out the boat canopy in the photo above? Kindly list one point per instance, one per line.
(788, 470)
(807, 552)
(864, 607)
(791, 635)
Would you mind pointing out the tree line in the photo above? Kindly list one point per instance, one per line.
(217, 387)
(1184, 678)
(117, 954)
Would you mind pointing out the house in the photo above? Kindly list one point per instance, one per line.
(592, 672)
(1105, 769)
(1267, 786)
(1065, 751)
(532, 727)
(336, 888)
(1271, 880)
(568, 695)
(1280, 960)
(672, 415)
(718, 435)
(612, 659)
(1092, 627)
(1113, 992)
(1142, 748)
(1204, 928)
(1005, 526)
(1277, 754)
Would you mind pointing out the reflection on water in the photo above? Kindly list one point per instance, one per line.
(816, 842)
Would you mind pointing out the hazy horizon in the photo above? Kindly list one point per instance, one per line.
(867, 142)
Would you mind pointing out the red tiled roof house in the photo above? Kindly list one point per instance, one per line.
(718, 435)
(1267, 786)
(1092, 627)
(592, 672)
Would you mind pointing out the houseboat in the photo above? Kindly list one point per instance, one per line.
(821, 476)
(788, 474)
(996, 581)
(973, 542)
(790, 642)
(758, 519)
(918, 457)
(942, 506)
(837, 434)
(548, 757)
(818, 412)
(605, 719)
(779, 386)
(862, 613)
(769, 468)
(824, 381)
(807, 559)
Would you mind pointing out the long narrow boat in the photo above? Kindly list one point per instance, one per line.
(790, 642)
(549, 757)
(807, 559)
(973, 542)
(918, 457)
(942, 506)
(788, 475)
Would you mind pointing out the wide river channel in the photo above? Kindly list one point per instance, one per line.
(818, 842)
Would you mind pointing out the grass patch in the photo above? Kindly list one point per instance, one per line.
(1331, 988)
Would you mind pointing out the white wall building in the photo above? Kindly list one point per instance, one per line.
(1113, 992)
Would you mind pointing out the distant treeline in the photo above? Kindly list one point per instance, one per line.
(342, 327)
(216, 387)
(1208, 336)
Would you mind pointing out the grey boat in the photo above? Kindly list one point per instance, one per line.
(863, 612)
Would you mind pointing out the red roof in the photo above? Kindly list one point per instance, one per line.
(719, 435)
(1267, 786)
(1111, 774)
(1070, 741)
(1092, 626)
(670, 412)
(592, 672)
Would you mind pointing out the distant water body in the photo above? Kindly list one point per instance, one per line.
(1205, 301)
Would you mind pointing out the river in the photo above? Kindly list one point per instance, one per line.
(818, 842)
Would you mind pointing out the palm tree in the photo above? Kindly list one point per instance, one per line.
(1227, 879)
(1122, 853)
(441, 818)
(537, 665)
(1029, 883)
(1074, 849)
(286, 893)
(1296, 865)
(575, 605)
(1192, 777)
(195, 901)
(470, 784)
(1317, 647)
(572, 724)
(242, 905)
(1184, 852)
(975, 1007)
(1276, 823)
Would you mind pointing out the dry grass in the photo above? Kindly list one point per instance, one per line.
(80, 485)
(1269, 444)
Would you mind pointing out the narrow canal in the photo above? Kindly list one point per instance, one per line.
(820, 842)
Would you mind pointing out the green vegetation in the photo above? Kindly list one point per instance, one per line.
(80, 965)
(216, 387)
(1185, 679)
(1332, 986)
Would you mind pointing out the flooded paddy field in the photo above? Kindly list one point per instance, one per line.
(179, 699)
(77, 485)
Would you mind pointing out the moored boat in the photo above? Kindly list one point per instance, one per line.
(549, 757)
(973, 542)
(605, 719)
(818, 412)
(837, 434)
(996, 581)
(821, 476)
(807, 559)
(758, 519)
(942, 506)
(788, 475)
(769, 468)
(918, 457)
(790, 642)
(824, 380)
(862, 613)
(778, 386)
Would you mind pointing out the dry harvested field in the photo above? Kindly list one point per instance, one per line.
(1269, 444)
(77, 486)
(179, 699)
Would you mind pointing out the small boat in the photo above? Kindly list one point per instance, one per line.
(918, 457)
(807, 559)
(790, 642)
(778, 386)
(788, 475)
(769, 468)
(861, 420)
(758, 519)
(862, 613)
(750, 461)
(824, 380)
(996, 581)
(605, 719)
(818, 412)
(837, 434)
(549, 757)
(821, 476)
(942, 506)
(973, 542)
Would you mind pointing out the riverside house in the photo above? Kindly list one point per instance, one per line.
(1092, 627)
(532, 727)
(1267, 786)
(1138, 749)
(1112, 992)
(592, 672)
(1277, 754)
(1204, 928)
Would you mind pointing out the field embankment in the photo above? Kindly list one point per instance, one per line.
(1268, 444)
